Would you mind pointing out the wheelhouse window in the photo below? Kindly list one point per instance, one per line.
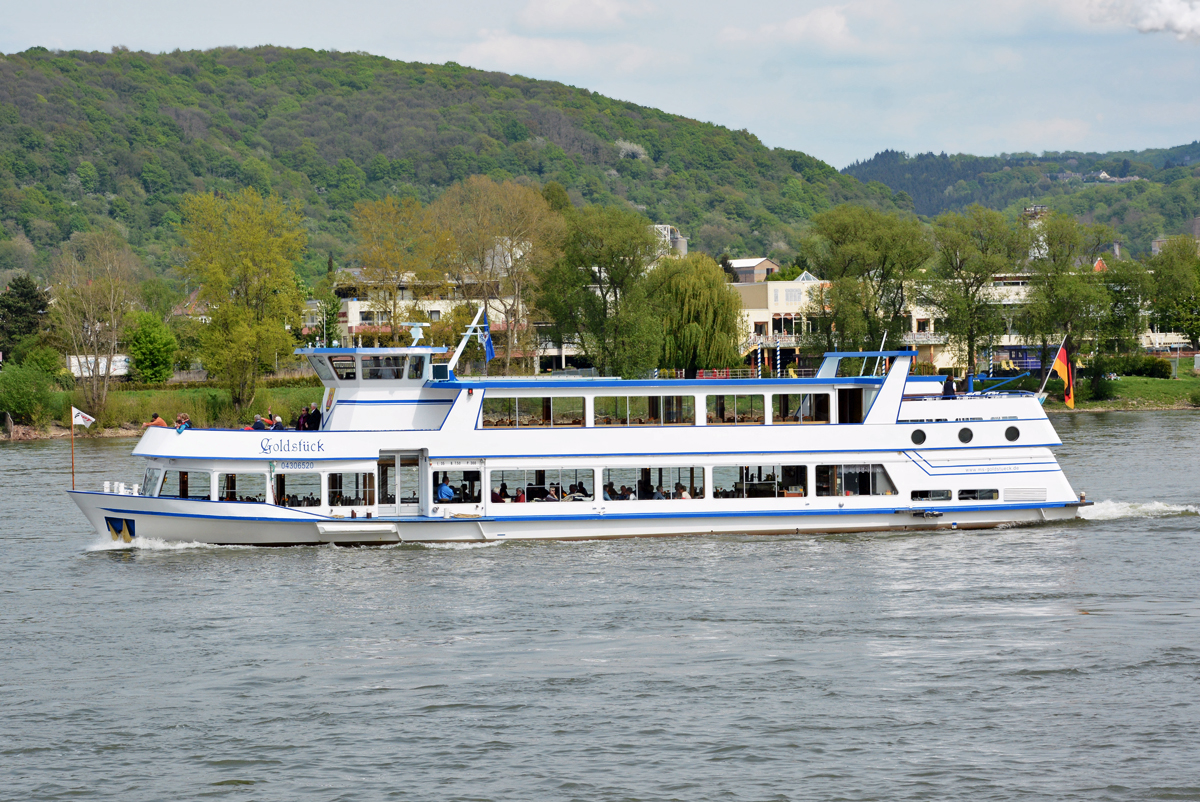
(343, 366)
(251, 487)
(298, 489)
(542, 485)
(731, 410)
(194, 485)
(654, 483)
(351, 489)
(979, 495)
(457, 487)
(853, 480)
(654, 410)
(539, 412)
(149, 481)
(931, 495)
(789, 408)
(383, 367)
(416, 367)
(321, 367)
(760, 481)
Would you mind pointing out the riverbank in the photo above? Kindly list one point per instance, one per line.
(1131, 394)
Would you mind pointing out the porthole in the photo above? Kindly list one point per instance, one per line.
(965, 435)
(1012, 434)
(918, 436)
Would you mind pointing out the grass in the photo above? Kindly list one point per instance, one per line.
(208, 407)
(1129, 392)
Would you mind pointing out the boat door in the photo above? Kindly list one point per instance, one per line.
(399, 484)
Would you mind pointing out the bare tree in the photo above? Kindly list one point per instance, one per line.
(93, 295)
(505, 237)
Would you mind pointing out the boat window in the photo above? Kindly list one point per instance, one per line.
(499, 413)
(978, 495)
(760, 481)
(149, 481)
(242, 487)
(669, 410)
(800, 408)
(351, 489)
(728, 410)
(853, 480)
(461, 487)
(343, 366)
(931, 495)
(653, 483)
(536, 484)
(416, 367)
(539, 412)
(1012, 434)
(321, 367)
(383, 367)
(186, 484)
(567, 411)
(298, 489)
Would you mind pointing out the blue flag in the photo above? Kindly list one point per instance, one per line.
(488, 349)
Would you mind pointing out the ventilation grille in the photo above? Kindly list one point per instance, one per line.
(1025, 494)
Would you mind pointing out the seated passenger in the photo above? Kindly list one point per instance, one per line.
(681, 491)
(520, 499)
(658, 494)
(550, 494)
(445, 493)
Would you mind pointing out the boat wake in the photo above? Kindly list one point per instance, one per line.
(1109, 510)
(154, 544)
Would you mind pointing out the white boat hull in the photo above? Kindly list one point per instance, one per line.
(233, 523)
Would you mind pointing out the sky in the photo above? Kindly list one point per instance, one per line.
(841, 81)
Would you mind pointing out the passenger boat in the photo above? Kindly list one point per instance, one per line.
(409, 451)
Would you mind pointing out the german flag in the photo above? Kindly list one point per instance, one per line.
(1062, 366)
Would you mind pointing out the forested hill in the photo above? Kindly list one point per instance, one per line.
(1162, 203)
(88, 136)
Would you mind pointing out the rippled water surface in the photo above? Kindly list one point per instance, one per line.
(1054, 662)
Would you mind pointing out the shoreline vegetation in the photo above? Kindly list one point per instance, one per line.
(211, 407)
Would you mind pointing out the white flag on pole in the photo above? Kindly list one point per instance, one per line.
(79, 416)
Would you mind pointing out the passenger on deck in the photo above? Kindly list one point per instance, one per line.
(278, 427)
(314, 418)
(155, 420)
(258, 423)
(182, 421)
(948, 388)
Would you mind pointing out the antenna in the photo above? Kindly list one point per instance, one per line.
(471, 330)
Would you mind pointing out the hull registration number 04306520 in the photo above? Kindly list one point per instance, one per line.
(295, 466)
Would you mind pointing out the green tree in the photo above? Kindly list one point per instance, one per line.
(1130, 288)
(89, 177)
(1176, 304)
(869, 258)
(700, 314)
(151, 347)
(596, 293)
(22, 311)
(1066, 296)
(242, 249)
(26, 393)
(973, 248)
(556, 196)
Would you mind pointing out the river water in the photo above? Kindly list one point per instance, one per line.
(1053, 662)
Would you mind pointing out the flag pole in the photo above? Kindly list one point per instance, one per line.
(72, 449)
(1048, 372)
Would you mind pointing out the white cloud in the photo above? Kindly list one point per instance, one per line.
(825, 26)
(1180, 17)
(551, 57)
(583, 16)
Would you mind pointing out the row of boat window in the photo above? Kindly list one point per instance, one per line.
(550, 484)
(655, 410)
(373, 367)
